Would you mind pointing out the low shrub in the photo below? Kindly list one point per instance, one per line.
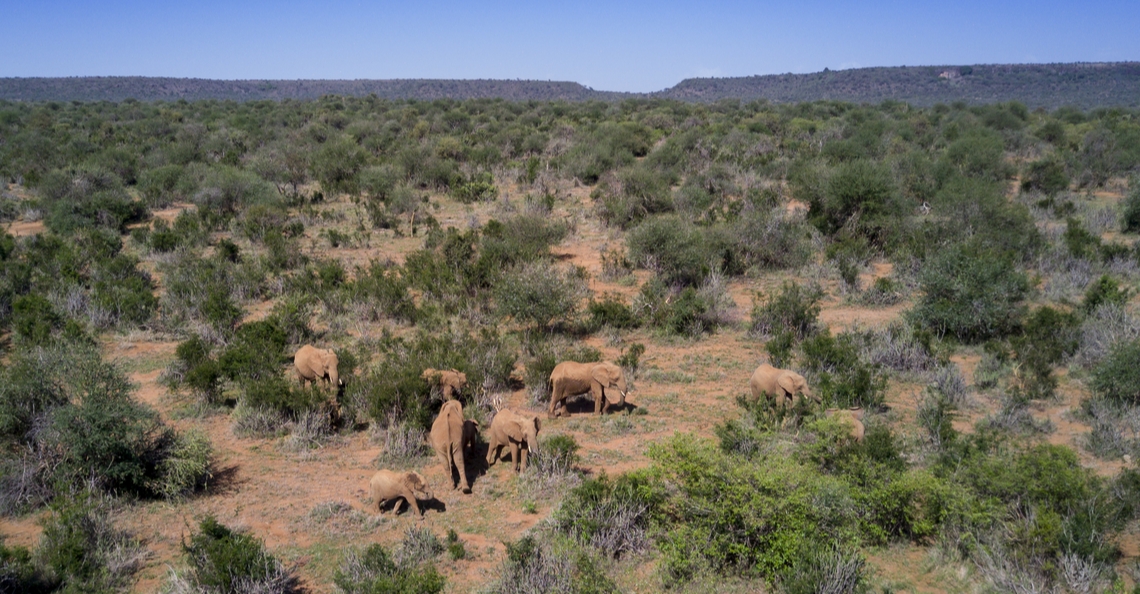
(230, 562)
(81, 551)
(373, 571)
(794, 309)
(1047, 336)
(1105, 289)
(675, 249)
(540, 294)
(186, 465)
(612, 516)
(1047, 176)
(1131, 223)
(534, 564)
(556, 456)
(610, 311)
(1117, 376)
(843, 379)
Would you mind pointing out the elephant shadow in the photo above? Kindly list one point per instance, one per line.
(584, 404)
(433, 504)
(475, 464)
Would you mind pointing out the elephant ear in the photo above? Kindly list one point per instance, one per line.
(515, 430)
(602, 375)
(787, 382)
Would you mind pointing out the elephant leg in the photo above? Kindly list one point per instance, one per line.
(411, 499)
(447, 393)
(443, 456)
(599, 394)
(555, 396)
(523, 454)
(515, 455)
(493, 453)
(460, 465)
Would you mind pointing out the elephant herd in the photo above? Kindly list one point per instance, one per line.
(453, 437)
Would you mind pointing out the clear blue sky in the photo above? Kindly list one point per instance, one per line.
(618, 46)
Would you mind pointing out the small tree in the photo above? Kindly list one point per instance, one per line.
(540, 293)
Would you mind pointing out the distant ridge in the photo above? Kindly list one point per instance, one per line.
(1084, 85)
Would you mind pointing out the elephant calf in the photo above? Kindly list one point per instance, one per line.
(312, 364)
(387, 485)
(780, 384)
(519, 431)
(451, 381)
(452, 438)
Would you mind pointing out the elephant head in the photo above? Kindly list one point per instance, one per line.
(523, 428)
(794, 383)
(332, 365)
(415, 481)
(611, 376)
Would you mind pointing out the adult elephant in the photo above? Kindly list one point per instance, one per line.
(314, 364)
(451, 437)
(779, 384)
(450, 381)
(514, 430)
(571, 379)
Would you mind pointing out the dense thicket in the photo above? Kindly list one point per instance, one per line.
(226, 205)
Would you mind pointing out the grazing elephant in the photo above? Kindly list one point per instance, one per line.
(452, 437)
(781, 384)
(571, 379)
(854, 416)
(313, 364)
(387, 485)
(519, 431)
(451, 381)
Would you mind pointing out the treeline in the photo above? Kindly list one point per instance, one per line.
(1082, 85)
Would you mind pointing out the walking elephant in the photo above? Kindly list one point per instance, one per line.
(518, 431)
(387, 485)
(452, 437)
(571, 379)
(780, 384)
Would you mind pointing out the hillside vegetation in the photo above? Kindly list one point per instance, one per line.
(966, 276)
(1081, 85)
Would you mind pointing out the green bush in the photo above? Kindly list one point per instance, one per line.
(1080, 242)
(480, 188)
(1047, 176)
(844, 379)
(1131, 207)
(611, 311)
(229, 562)
(186, 465)
(256, 352)
(673, 247)
(1047, 336)
(540, 294)
(374, 572)
(80, 551)
(115, 441)
(612, 516)
(34, 320)
(862, 189)
(970, 292)
(631, 195)
(794, 310)
(1117, 376)
(1105, 289)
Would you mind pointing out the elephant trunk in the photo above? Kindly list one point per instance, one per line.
(622, 391)
(334, 377)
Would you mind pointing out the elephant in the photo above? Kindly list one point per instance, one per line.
(451, 381)
(519, 431)
(387, 485)
(313, 364)
(570, 379)
(780, 384)
(855, 418)
(452, 437)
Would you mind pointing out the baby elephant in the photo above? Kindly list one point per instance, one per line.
(854, 417)
(387, 485)
(519, 431)
(452, 438)
(780, 385)
(451, 381)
